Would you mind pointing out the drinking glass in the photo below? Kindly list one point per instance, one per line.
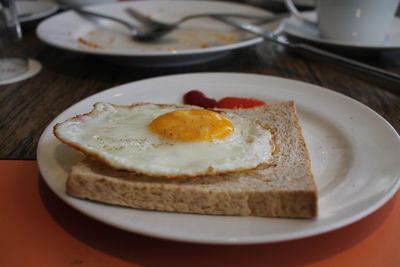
(13, 59)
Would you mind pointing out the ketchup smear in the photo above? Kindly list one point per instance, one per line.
(198, 98)
(239, 102)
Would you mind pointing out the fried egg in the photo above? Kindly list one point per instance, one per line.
(167, 140)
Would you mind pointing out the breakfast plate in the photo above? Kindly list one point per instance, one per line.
(197, 40)
(33, 10)
(294, 27)
(354, 154)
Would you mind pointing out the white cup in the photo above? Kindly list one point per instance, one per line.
(13, 60)
(357, 21)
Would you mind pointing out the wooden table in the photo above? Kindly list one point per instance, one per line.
(27, 107)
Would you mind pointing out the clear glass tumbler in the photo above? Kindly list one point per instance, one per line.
(13, 59)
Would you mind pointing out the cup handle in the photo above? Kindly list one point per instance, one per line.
(296, 13)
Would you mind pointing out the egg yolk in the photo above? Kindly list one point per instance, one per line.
(191, 125)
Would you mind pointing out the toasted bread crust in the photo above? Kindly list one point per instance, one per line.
(284, 190)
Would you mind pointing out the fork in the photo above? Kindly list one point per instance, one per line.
(156, 29)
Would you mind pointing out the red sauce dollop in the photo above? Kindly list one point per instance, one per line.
(239, 102)
(198, 98)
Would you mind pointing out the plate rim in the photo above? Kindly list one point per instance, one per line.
(344, 222)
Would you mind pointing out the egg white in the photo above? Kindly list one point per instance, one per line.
(119, 137)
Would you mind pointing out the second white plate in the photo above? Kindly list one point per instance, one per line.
(354, 153)
(196, 41)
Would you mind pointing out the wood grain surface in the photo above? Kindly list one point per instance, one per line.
(27, 107)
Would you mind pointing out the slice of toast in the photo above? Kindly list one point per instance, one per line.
(285, 190)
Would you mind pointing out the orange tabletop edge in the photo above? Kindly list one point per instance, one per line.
(38, 229)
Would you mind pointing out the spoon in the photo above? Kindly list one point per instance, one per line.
(135, 31)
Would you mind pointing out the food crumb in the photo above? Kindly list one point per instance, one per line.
(112, 40)
(89, 44)
(204, 45)
(172, 50)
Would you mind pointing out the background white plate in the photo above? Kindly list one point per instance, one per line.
(354, 152)
(194, 43)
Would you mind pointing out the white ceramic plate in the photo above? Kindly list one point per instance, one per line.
(33, 10)
(197, 40)
(296, 28)
(354, 156)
